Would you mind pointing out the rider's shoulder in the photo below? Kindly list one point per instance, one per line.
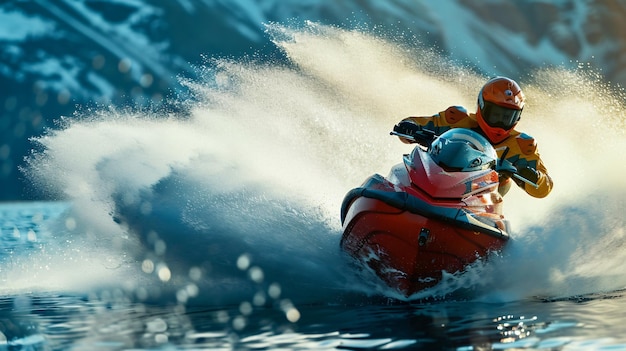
(455, 114)
(526, 143)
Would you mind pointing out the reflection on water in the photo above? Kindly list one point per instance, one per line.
(56, 322)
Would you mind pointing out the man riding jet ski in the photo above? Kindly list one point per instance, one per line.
(500, 105)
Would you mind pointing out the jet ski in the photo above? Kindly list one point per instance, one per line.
(439, 210)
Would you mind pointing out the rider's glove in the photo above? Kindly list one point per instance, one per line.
(407, 128)
(528, 173)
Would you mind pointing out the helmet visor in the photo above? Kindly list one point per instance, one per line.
(500, 117)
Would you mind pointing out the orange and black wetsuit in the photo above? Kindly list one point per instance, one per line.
(518, 148)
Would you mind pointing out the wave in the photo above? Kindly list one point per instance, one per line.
(239, 199)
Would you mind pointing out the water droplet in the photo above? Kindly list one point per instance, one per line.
(243, 262)
(274, 290)
(256, 274)
(164, 273)
(195, 273)
(293, 315)
(147, 266)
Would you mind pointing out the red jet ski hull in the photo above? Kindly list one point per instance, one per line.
(409, 251)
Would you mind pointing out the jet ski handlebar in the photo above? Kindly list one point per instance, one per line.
(425, 137)
(506, 167)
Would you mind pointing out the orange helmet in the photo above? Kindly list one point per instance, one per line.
(500, 104)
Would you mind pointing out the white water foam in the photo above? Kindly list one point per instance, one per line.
(243, 195)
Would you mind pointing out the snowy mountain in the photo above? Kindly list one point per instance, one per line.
(57, 56)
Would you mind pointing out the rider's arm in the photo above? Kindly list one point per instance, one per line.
(453, 116)
(530, 162)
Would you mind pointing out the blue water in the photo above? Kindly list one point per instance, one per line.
(220, 229)
(46, 310)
